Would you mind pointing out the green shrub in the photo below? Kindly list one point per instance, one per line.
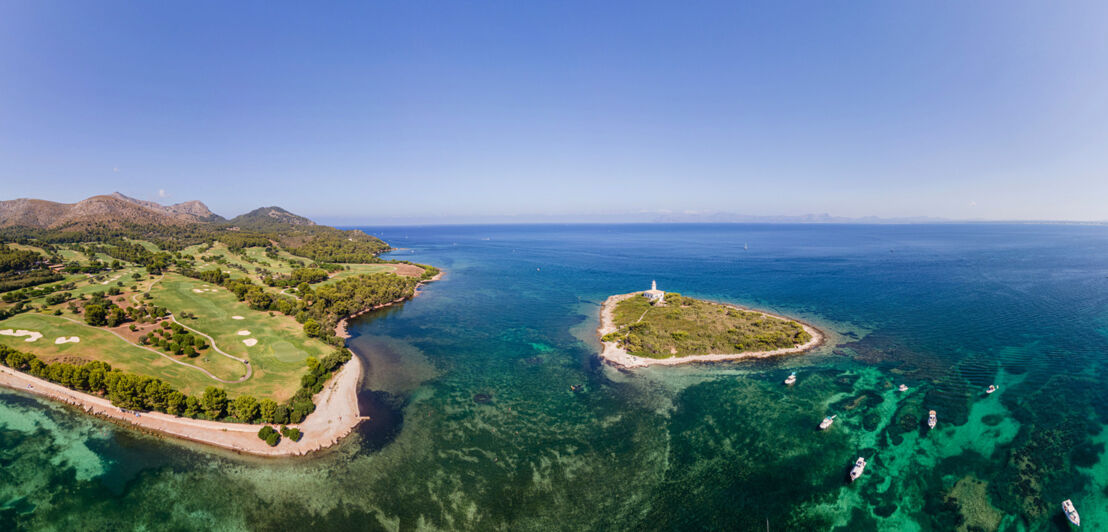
(293, 434)
(269, 435)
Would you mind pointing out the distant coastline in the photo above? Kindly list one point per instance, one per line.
(618, 356)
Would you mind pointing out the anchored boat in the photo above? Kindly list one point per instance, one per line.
(1071, 512)
(903, 387)
(859, 466)
(992, 388)
(932, 419)
(827, 421)
(790, 379)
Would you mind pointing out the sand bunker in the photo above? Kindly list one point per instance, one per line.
(237, 318)
(64, 340)
(250, 342)
(203, 290)
(33, 335)
(244, 333)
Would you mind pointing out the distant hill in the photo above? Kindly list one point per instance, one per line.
(266, 218)
(114, 209)
(194, 210)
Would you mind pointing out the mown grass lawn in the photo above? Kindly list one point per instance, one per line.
(279, 356)
(99, 344)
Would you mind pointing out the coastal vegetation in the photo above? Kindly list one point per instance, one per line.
(681, 326)
(131, 391)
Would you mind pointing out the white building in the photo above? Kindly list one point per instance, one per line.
(654, 295)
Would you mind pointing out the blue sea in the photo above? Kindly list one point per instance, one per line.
(474, 424)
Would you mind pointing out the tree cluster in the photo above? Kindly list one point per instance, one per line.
(29, 293)
(138, 254)
(22, 269)
(336, 246)
(94, 266)
(293, 433)
(270, 436)
(102, 312)
(15, 260)
(297, 276)
(125, 390)
(175, 339)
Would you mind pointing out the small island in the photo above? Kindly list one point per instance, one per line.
(652, 327)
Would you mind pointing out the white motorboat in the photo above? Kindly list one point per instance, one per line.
(932, 419)
(992, 388)
(790, 379)
(1071, 512)
(827, 421)
(903, 387)
(856, 471)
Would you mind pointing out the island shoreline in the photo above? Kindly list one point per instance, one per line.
(335, 417)
(617, 356)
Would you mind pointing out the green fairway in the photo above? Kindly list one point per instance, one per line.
(99, 344)
(70, 255)
(281, 349)
(150, 246)
(25, 247)
(358, 269)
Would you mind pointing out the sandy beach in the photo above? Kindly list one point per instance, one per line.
(620, 357)
(335, 416)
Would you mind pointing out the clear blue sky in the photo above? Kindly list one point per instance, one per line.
(448, 110)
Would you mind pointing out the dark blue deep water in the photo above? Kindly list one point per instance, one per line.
(475, 425)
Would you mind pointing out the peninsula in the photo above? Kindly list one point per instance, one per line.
(180, 322)
(655, 328)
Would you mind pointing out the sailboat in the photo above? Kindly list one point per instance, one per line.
(1071, 512)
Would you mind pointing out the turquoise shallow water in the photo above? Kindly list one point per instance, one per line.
(475, 426)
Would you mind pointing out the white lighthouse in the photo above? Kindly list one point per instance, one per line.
(654, 295)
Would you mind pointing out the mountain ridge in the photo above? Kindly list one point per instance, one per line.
(117, 209)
